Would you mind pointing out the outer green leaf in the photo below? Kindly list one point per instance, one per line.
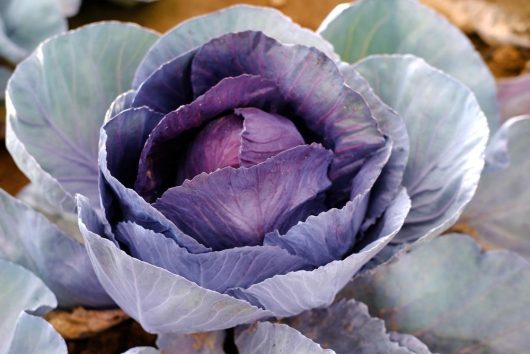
(406, 27)
(33, 335)
(21, 291)
(452, 296)
(447, 132)
(56, 103)
(347, 327)
(5, 73)
(269, 338)
(26, 23)
(499, 209)
(199, 30)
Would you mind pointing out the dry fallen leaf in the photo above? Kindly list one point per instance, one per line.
(82, 323)
(496, 21)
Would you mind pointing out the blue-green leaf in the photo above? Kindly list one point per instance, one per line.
(452, 296)
(33, 335)
(22, 291)
(5, 73)
(26, 23)
(268, 338)
(369, 27)
(56, 103)
(448, 134)
(499, 210)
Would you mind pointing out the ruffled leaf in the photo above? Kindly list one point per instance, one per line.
(29, 239)
(311, 84)
(158, 162)
(265, 135)
(347, 327)
(26, 23)
(160, 301)
(447, 132)
(237, 207)
(56, 103)
(21, 291)
(452, 296)
(499, 210)
(325, 237)
(199, 30)
(392, 125)
(407, 27)
(121, 203)
(197, 343)
(219, 271)
(282, 294)
(266, 337)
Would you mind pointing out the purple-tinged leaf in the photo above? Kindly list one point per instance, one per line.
(268, 338)
(199, 30)
(158, 163)
(216, 146)
(237, 207)
(126, 135)
(218, 270)
(347, 327)
(312, 85)
(325, 237)
(122, 204)
(160, 301)
(121, 103)
(392, 125)
(292, 293)
(169, 87)
(29, 239)
(265, 135)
